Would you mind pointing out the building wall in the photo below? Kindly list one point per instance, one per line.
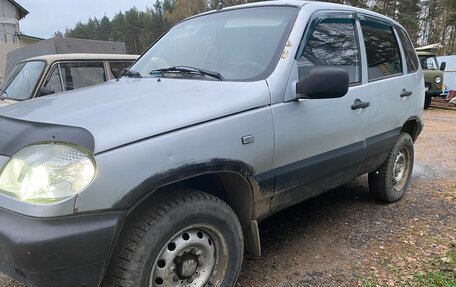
(9, 29)
(449, 75)
(4, 50)
(9, 25)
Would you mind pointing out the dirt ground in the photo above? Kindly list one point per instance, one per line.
(346, 238)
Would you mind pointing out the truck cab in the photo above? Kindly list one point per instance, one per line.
(50, 74)
(433, 75)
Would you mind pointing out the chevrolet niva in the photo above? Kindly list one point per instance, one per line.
(160, 178)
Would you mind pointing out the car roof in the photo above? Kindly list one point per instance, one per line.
(311, 5)
(80, 56)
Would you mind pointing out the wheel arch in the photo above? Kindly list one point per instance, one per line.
(230, 180)
(413, 126)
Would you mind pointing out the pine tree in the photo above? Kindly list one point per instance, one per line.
(118, 32)
(104, 29)
(132, 31)
(386, 7)
(408, 12)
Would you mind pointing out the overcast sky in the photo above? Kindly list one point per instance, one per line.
(49, 16)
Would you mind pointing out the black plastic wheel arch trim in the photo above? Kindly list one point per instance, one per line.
(156, 181)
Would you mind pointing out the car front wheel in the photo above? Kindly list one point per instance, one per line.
(191, 239)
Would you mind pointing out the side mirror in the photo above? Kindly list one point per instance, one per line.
(323, 83)
(43, 91)
(442, 66)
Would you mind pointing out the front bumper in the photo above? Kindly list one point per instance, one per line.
(434, 93)
(433, 89)
(67, 251)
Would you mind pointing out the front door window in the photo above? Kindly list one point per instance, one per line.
(332, 43)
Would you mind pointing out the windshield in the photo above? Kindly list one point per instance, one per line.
(241, 44)
(429, 63)
(22, 80)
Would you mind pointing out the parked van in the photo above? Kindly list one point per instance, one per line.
(49, 74)
(230, 117)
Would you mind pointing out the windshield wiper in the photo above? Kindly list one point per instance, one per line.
(188, 70)
(131, 73)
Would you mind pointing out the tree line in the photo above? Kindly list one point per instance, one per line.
(427, 21)
(139, 29)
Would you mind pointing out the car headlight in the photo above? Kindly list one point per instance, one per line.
(438, 79)
(47, 172)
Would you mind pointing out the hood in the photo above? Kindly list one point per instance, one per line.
(432, 73)
(124, 111)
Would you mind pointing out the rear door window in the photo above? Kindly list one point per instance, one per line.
(383, 56)
(332, 42)
(77, 75)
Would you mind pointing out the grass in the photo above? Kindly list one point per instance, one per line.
(369, 283)
(438, 273)
(437, 279)
(441, 273)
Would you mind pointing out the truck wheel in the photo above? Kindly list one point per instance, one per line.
(427, 101)
(192, 239)
(390, 181)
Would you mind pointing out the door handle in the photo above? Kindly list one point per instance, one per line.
(406, 93)
(360, 105)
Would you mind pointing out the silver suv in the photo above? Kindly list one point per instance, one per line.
(160, 178)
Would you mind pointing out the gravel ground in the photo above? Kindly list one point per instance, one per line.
(442, 104)
(345, 238)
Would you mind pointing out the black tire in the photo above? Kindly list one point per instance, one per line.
(180, 235)
(427, 101)
(386, 183)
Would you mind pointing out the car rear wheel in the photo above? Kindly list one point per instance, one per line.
(390, 181)
(192, 239)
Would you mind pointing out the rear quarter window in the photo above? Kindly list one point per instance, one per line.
(410, 55)
(117, 67)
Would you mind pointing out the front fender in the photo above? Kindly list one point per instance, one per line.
(147, 188)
